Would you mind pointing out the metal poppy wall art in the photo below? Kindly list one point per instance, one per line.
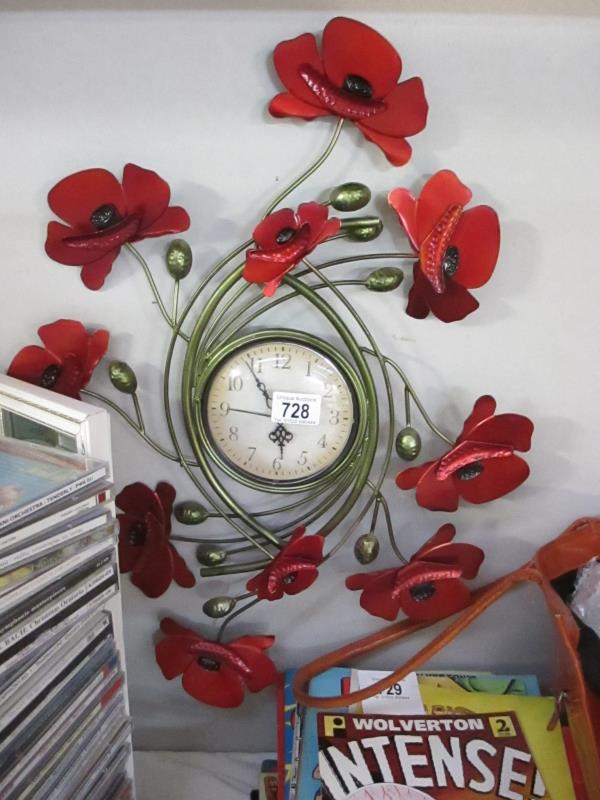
(286, 435)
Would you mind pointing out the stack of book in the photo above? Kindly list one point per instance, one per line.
(64, 729)
(433, 735)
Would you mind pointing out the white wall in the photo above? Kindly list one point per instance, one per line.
(514, 110)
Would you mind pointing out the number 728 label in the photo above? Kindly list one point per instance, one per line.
(294, 408)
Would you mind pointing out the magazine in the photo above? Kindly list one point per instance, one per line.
(384, 757)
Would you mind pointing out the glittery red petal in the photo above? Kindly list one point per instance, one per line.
(221, 688)
(408, 478)
(265, 233)
(94, 273)
(136, 499)
(511, 429)
(153, 570)
(453, 305)
(377, 598)
(174, 220)
(97, 345)
(76, 197)
(29, 364)
(146, 193)
(405, 205)
(435, 494)
(128, 553)
(440, 192)
(71, 256)
(263, 671)
(181, 573)
(450, 596)
(352, 48)
(396, 149)
(292, 54)
(499, 477)
(65, 337)
(443, 536)
(477, 237)
(484, 407)
(173, 655)
(287, 105)
(406, 111)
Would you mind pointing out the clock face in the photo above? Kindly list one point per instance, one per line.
(279, 411)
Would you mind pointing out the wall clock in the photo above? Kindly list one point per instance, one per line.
(278, 410)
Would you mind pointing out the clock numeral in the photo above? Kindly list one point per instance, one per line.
(236, 383)
(256, 364)
(251, 456)
(322, 442)
(234, 433)
(224, 409)
(328, 390)
(302, 458)
(334, 417)
(282, 361)
(308, 366)
(276, 464)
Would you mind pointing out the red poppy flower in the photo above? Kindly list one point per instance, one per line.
(480, 467)
(213, 672)
(144, 547)
(355, 77)
(429, 587)
(457, 249)
(283, 239)
(292, 570)
(67, 360)
(102, 215)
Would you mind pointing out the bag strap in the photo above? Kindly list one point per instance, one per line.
(482, 599)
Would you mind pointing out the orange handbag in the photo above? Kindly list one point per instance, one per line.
(573, 549)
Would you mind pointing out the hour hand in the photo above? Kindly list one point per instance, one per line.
(259, 385)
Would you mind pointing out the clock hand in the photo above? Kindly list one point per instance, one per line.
(281, 436)
(260, 385)
(246, 411)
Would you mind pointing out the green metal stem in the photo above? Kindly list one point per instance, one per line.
(310, 171)
(414, 396)
(138, 412)
(132, 424)
(235, 614)
(390, 528)
(154, 288)
(175, 300)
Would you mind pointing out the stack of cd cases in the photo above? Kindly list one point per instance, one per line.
(64, 728)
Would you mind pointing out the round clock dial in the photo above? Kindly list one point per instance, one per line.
(279, 411)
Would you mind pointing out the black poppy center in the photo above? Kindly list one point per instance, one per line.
(209, 664)
(50, 376)
(284, 235)
(470, 471)
(451, 261)
(290, 578)
(357, 85)
(105, 216)
(137, 534)
(422, 592)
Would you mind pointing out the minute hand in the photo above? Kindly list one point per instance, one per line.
(260, 385)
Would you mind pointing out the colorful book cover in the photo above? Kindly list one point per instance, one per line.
(288, 737)
(479, 756)
(343, 679)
